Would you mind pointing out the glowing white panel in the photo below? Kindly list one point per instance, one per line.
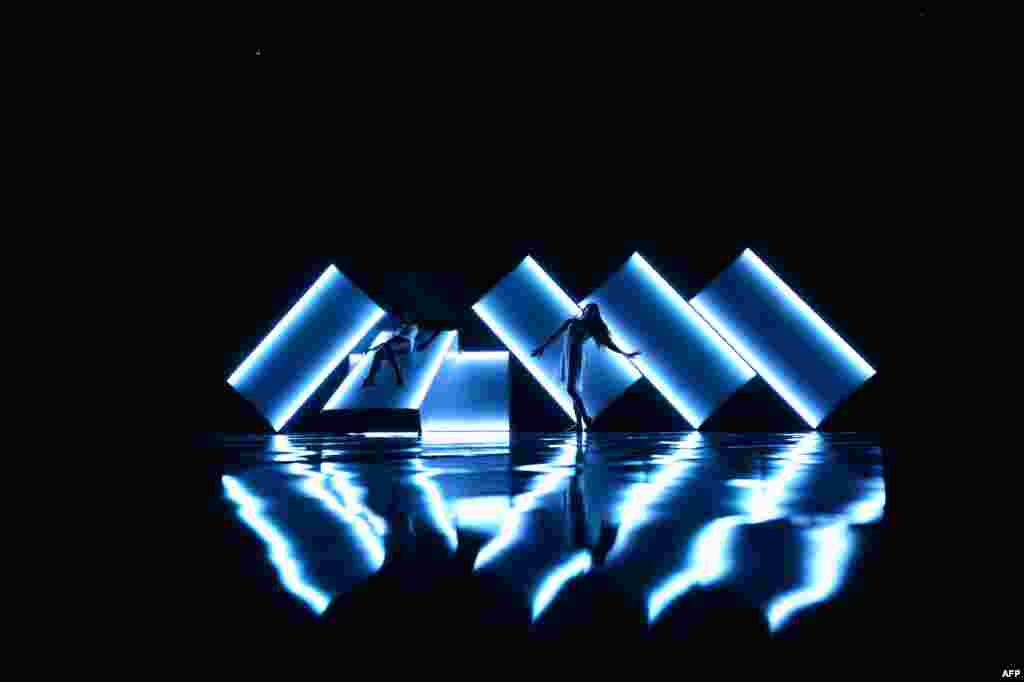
(305, 347)
(494, 437)
(800, 356)
(470, 393)
(387, 434)
(523, 310)
(682, 356)
(250, 510)
(578, 564)
(419, 370)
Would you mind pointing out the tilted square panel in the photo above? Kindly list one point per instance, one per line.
(787, 343)
(304, 348)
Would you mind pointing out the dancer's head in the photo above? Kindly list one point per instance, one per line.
(598, 327)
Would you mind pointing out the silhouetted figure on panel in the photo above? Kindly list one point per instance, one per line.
(402, 342)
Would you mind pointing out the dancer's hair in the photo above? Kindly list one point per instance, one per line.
(596, 324)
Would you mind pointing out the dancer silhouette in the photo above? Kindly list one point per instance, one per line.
(402, 342)
(589, 325)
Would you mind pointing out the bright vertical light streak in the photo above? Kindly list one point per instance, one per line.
(250, 510)
(819, 324)
(830, 550)
(352, 496)
(523, 354)
(578, 564)
(766, 499)
(315, 486)
(546, 484)
(435, 503)
(710, 560)
(640, 497)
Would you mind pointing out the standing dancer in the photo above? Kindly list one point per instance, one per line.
(589, 325)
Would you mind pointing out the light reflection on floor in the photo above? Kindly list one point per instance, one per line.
(686, 507)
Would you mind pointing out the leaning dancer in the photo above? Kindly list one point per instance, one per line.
(589, 325)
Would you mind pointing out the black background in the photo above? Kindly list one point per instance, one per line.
(425, 180)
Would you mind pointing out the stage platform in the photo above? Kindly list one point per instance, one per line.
(784, 521)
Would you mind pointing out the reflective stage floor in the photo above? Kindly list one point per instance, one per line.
(776, 525)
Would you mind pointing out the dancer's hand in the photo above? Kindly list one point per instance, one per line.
(538, 352)
(633, 354)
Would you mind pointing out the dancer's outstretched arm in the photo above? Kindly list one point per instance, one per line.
(610, 345)
(558, 332)
(433, 335)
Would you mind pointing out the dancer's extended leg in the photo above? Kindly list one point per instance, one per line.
(393, 357)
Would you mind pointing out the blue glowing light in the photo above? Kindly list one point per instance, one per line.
(470, 393)
(640, 497)
(366, 531)
(555, 474)
(778, 334)
(523, 354)
(387, 434)
(302, 350)
(869, 509)
(455, 437)
(250, 510)
(523, 310)
(830, 550)
(435, 365)
(710, 560)
(435, 502)
(682, 356)
(819, 325)
(578, 564)
(482, 513)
